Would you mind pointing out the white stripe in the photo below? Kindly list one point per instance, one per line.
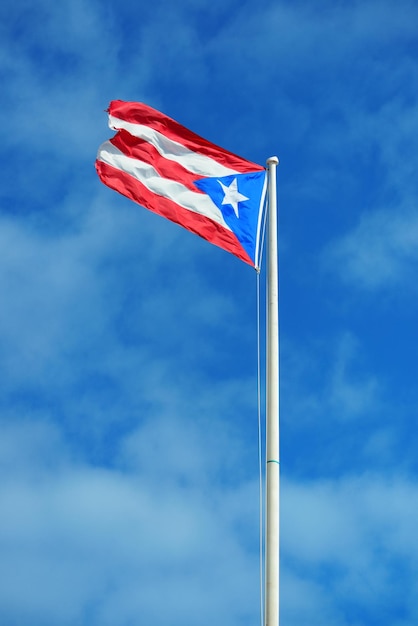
(150, 178)
(173, 150)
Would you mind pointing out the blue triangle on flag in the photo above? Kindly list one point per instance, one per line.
(238, 197)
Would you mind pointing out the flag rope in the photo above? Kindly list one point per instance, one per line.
(260, 451)
(263, 230)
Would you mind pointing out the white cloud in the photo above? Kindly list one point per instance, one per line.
(95, 545)
(88, 544)
(380, 252)
(351, 393)
(352, 540)
(329, 380)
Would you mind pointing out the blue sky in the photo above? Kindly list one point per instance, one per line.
(128, 454)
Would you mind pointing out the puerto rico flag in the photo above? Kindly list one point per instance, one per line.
(171, 171)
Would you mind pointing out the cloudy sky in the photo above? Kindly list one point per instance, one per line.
(128, 448)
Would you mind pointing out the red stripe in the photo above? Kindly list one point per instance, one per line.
(196, 223)
(140, 149)
(139, 113)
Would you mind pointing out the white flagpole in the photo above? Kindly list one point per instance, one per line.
(272, 408)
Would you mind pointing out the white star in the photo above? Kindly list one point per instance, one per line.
(232, 195)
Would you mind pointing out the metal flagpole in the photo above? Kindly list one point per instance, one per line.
(272, 408)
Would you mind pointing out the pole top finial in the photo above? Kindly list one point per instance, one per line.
(273, 160)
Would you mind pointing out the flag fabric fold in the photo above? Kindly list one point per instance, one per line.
(168, 169)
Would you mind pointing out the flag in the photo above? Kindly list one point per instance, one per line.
(171, 171)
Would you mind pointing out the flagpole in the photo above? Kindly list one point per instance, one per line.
(271, 612)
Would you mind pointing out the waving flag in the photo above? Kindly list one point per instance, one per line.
(173, 172)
